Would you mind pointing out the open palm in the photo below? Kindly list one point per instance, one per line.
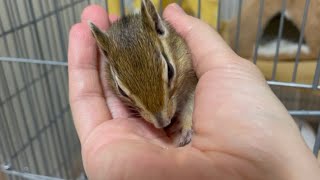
(241, 128)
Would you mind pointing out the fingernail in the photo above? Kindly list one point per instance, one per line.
(177, 8)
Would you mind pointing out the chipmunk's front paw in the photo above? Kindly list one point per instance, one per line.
(180, 133)
(183, 137)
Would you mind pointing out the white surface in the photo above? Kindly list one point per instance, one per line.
(308, 134)
(286, 47)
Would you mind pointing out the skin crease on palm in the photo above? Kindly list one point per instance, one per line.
(242, 131)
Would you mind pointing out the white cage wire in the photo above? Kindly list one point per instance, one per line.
(37, 137)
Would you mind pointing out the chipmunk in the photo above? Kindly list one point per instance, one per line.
(149, 67)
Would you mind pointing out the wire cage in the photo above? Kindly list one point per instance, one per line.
(37, 136)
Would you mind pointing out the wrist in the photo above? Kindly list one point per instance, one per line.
(296, 161)
(302, 165)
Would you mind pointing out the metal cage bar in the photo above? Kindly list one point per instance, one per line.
(259, 32)
(303, 25)
(276, 57)
(316, 78)
(238, 27)
(316, 147)
(219, 15)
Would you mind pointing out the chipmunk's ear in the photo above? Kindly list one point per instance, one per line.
(151, 17)
(101, 37)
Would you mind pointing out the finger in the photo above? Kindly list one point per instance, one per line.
(113, 18)
(207, 47)
(97, 15)
(86, 96)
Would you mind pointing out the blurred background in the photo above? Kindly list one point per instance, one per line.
(37, 136)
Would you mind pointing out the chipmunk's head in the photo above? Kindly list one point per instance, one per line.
(141, 65)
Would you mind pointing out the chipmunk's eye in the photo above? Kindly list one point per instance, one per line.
(121, 91)
(170, 68)
(170, 72)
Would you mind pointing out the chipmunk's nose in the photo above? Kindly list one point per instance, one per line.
(161, 122)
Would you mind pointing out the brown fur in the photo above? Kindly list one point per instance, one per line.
(134, 46)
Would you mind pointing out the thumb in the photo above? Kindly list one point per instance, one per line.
(207, 47)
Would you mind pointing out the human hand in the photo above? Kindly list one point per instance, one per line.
(242, 131)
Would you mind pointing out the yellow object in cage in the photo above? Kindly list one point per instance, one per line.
(209, 8)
